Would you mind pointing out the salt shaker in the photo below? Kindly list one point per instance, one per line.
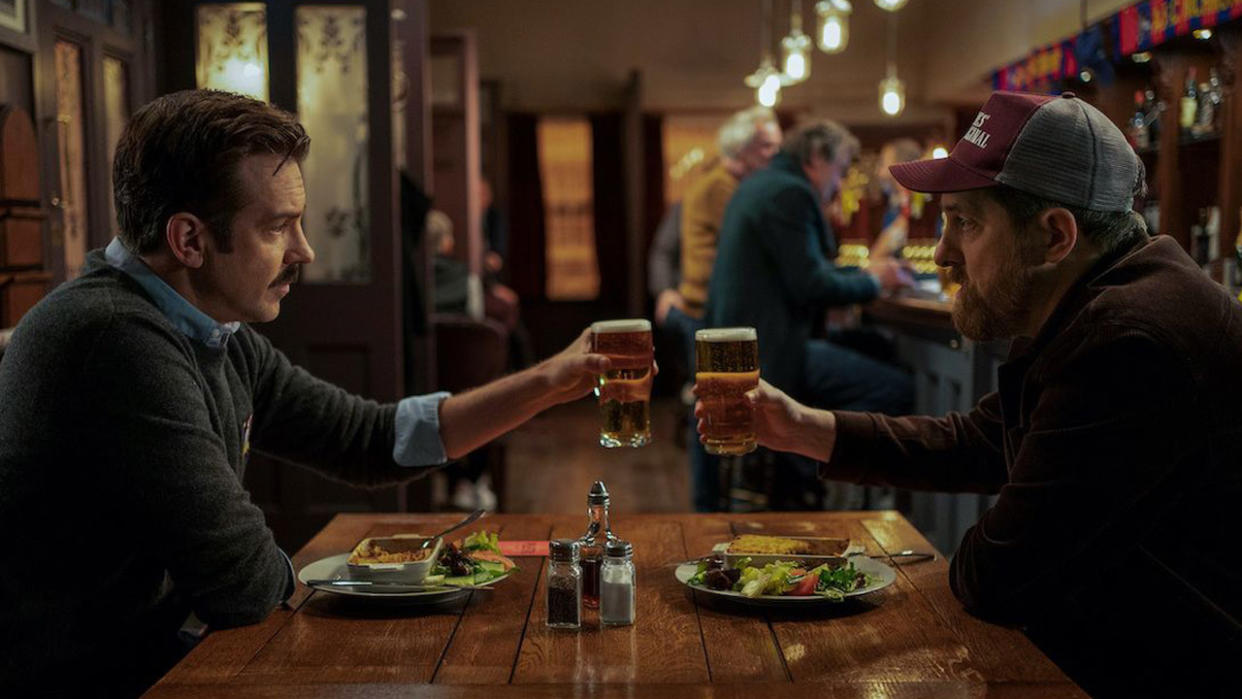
(616, 598)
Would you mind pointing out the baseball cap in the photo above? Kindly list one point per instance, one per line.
(1056, 147)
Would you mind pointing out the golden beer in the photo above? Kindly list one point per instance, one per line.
(726, 367)
(624, 391)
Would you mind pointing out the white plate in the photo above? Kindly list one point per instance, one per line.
(335, 568)
(879, 576)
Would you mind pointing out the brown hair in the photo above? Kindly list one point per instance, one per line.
(825, 137)
(181, 151)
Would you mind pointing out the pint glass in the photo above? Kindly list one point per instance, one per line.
(726, 367)
(624, 391)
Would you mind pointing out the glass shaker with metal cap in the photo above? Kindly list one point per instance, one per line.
(616, 576)
(592, 543)
(564, 585)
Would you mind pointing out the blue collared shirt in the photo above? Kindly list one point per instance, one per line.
(418, 441)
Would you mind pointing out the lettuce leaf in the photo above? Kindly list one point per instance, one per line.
(482, 541)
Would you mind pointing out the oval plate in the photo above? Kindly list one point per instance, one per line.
(879, 577)
(335, 568)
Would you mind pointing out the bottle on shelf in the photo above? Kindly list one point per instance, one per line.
(1210, 96)
(1190, 102)
(1153, 108)
(1140, 137)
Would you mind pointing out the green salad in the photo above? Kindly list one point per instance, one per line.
(787, 578)
(475, 561)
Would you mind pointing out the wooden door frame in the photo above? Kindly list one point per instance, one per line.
(97, 40)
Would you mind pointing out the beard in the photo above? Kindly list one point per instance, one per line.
(999, 312)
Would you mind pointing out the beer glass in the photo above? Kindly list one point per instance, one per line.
(726, 367)
(624, 391)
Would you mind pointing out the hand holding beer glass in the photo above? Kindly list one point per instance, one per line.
(726, 367)
(624, 391)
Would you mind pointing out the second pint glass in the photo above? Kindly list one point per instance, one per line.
(726, 367)
(624, 391)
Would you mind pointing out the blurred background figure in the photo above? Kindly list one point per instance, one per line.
(895, 224)
(747, 142)
(775, 273)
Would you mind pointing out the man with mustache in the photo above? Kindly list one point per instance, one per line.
(1112, 441)
(133, 395)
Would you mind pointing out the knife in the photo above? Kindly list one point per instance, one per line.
(381, 586)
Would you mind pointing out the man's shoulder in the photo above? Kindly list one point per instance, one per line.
(79, 311)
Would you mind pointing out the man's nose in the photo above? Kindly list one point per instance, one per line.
(301, 251)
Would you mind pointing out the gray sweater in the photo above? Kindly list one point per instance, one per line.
(122, 450)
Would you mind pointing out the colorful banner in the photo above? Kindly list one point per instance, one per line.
(1150, 23)
(1038, 71)
(1136, 28)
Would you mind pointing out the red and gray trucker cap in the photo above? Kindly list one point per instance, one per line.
(1059, 148)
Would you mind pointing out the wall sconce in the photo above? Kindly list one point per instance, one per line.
(232, 48)
(833, 32)
(939, 152)
(890, 5)
(796, 48)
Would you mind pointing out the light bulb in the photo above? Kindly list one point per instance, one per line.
(890, 5)
(939, 152)
(768, 94)
(892, 95)
(796, 52)
(833, 33)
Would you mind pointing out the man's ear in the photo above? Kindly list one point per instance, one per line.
(186, 235)
(1060, 230)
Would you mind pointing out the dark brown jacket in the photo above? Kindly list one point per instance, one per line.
(1115, 445)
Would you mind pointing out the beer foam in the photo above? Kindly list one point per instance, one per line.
(630, 325)
(726, 335)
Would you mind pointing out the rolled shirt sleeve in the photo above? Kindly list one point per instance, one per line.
(418, 440)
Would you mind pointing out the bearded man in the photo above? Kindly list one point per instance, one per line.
(1112, 442)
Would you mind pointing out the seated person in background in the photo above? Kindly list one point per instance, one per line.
(134, 394)
(774, 272)
(457, 292)
(895, 226)
(1112, 442)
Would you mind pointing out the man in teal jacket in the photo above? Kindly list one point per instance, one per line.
(773, 272)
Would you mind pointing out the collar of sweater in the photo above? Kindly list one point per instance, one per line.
(192, 322)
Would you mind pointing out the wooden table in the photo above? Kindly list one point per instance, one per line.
(910, 640)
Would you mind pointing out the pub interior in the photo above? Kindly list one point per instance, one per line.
(488, 178)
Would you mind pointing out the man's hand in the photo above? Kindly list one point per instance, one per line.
(892, 274)
(572, 373)
(668, 299)
(784, 424)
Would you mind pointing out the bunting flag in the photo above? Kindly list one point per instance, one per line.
(1150, 23)
(1136, 28)
(1040, 70)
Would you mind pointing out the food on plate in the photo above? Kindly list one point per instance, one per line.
(476, 560)
(392, 549)
(782, 578)
(788, 546)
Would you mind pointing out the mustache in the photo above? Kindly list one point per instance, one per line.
(957, 275)
(290, 276)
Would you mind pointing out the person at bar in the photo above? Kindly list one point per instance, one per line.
(1112, 442)
(774, 273)
(134, 395)
(747, 142)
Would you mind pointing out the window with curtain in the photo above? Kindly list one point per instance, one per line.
(565, 167)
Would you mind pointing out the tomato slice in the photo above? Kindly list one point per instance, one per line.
(805, 587)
